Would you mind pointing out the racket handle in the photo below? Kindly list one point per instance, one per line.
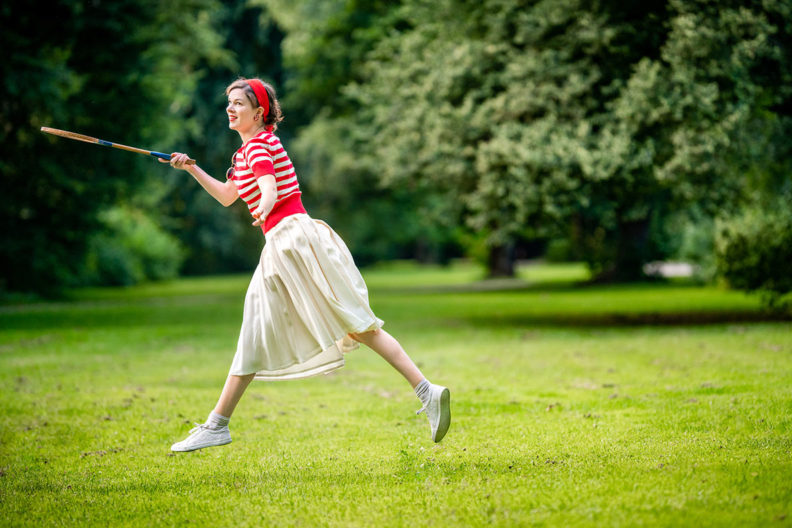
(164, 156)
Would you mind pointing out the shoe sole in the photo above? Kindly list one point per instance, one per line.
(196, 448)
(445, 415)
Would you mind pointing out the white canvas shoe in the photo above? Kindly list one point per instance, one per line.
(202, 436)
(438, 411)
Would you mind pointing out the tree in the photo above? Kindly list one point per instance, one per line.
(698, 125)
(527, 117)
(493, 105)
(120, 70)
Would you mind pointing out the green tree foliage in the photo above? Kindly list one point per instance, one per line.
(325, 50)
(754, 250)
(121, 70)
(494, 106)
(700, 125)
(413, 125)
(130, 249)
(326, 43)
(531, 116)
(217, 239)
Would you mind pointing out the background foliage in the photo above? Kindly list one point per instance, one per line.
(123, 71)
(754, 250)
(616, 134)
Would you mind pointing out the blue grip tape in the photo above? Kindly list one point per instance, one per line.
(105, 143)
(160, 155)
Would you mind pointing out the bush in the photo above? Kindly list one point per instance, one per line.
(753, 251)
(561, 250)
(131, 249)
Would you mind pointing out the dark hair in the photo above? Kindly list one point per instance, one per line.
(275, 115)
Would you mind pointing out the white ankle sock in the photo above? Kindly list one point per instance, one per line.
(422, 389)
(216, 421)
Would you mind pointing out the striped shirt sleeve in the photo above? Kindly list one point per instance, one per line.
(259, 158)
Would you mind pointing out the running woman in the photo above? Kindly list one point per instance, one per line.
(307, 303)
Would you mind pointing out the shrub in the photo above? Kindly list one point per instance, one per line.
(560, 250)
(132, 248)
(753, 251)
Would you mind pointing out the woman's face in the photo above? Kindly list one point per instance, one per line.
(241, 114)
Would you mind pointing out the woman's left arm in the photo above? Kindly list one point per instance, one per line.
(269, 193)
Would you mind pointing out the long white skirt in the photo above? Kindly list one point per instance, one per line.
(305, 296)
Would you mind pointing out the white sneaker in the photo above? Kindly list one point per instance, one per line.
(202, 436)
(438, 410)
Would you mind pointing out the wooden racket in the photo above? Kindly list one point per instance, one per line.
(89, 139)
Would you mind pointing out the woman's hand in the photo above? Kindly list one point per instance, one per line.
(269, 193)
(260, 215)
(226, 192)
(177, 161)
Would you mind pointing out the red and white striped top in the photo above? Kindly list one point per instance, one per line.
(261, 155)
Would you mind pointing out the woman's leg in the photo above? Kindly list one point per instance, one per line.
(436, 398)
(386, 346)
(233, 390)
(215, 431)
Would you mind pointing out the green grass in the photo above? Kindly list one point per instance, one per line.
(661, 405)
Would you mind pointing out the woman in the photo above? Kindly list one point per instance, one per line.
(307, 302)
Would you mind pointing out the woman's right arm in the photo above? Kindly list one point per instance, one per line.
(223, 192)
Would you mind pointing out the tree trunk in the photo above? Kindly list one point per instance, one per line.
(629, 254)
(500, 262)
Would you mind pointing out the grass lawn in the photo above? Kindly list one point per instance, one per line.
(656, 405)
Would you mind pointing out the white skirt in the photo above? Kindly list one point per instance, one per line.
(305, 296)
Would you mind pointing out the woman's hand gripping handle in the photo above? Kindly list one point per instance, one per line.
(178, 161)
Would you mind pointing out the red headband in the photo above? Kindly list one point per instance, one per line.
(261, 94)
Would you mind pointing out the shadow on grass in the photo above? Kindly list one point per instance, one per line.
(518, 285)
(515, 302)
(601, 320)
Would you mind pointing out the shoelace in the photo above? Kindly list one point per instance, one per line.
(425, 405)
(198, 427)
